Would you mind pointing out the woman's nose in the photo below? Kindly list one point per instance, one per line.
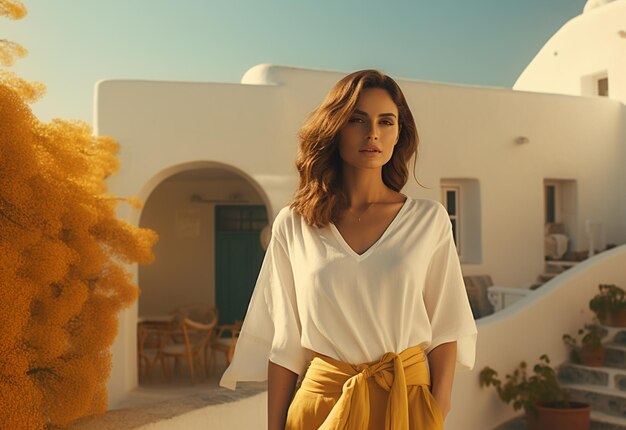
(372, 133)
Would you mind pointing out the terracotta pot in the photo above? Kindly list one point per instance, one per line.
(617, 320)
(591, 356)
(575, 417)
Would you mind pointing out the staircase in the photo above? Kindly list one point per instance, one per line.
(604, 388)
(552, 268)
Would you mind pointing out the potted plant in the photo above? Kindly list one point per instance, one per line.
(546, 405)
(609, 305)
(591, 352)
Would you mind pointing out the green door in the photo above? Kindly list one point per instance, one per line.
(238, 257)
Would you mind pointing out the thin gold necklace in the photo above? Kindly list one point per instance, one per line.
(359, 217)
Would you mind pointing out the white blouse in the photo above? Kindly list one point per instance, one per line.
(316, 293)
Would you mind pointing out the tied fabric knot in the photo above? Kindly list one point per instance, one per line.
(364, 369)
(351, 412)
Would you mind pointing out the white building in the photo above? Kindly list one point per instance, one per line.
(559, 134)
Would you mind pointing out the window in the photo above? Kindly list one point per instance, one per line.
(240, 217)
(551, 203)
(603, 86)
(451, 202)
(560, 211)
(461, 198)
(554, 208)
(595, 84)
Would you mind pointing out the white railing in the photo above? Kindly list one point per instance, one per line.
(501, 297)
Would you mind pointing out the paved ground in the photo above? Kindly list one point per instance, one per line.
(156, 388)
(156, 400)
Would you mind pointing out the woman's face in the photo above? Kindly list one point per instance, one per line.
(374, 123)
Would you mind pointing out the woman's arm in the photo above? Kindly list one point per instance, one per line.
(281, 383)
(442, 362)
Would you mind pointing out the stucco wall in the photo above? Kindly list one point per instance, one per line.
(590, 45)
(466, 132)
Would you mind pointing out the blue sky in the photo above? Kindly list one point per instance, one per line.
(74, 43)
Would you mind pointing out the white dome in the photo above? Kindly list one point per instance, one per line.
(592, 4)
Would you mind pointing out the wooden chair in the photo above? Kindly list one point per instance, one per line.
(196, 338)
(228, 347)
(149, 342)
(148, 345)
(201, 313)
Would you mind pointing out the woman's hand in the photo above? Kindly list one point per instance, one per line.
(441, 361)
(443, 401)
(281, 383)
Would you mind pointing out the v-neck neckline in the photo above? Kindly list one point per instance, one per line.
(369, 250)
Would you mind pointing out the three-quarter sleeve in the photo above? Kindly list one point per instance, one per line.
(446, 300)
(271, 328)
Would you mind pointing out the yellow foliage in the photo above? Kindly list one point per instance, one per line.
(62, 284)
(20, 400)
(29, 91)
(12, 9)
(134, 202)
(10, 51)
(116, 232)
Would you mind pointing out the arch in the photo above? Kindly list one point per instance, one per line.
(124, 375)
(151, 184)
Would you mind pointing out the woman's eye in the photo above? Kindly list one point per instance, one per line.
(360, 120)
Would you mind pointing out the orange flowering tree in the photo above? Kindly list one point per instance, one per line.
(62, 251)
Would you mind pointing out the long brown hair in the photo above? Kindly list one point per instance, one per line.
(320, 197)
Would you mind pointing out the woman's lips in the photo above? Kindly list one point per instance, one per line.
(370, 153)
(370, 148)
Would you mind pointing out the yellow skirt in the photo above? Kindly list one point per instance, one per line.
(392, 393)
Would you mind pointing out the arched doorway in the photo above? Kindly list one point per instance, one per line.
(212, 221)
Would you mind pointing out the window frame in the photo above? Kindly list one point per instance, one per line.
(558, 201)
(456, 231)
(598, 85)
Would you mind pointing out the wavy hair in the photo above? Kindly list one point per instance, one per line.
(320, 197)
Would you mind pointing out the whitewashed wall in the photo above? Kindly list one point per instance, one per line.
(466, 132)
(590, 45)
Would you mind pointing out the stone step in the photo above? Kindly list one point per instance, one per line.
(611, 335)
(605, 400)
(616, 334)
(545, 277)
(615, 355)
(564, 265)
(609, 377)
(601, 421)
(553, 270)
(535, 285)
(572, 373)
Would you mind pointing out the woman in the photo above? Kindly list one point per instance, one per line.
(360, 292)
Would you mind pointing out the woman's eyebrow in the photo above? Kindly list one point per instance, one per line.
(382, 114)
